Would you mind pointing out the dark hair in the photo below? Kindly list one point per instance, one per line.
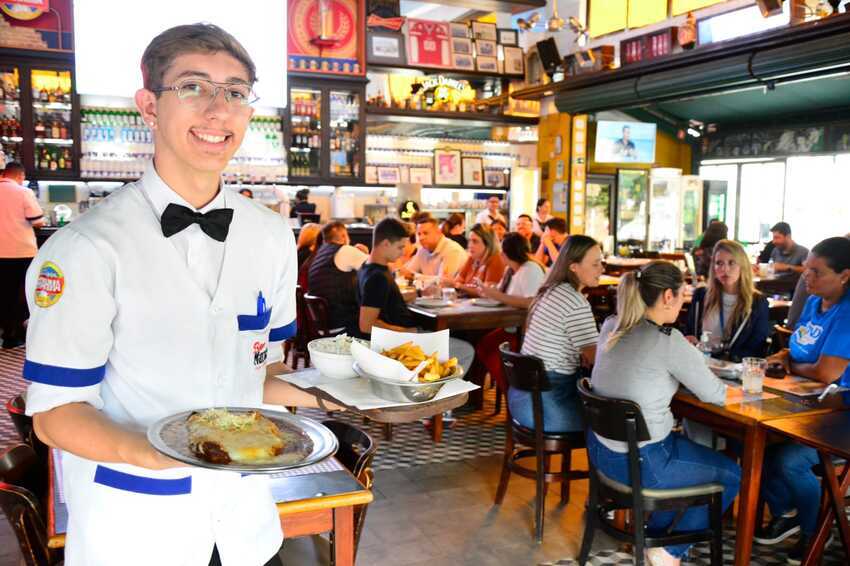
(454, 219)
(330, 229)
(782, 227)
(540, 202)
(525, 216)
(500, 222)
(835, 252)
(713, 234)
(192, 38)
(515, 247)
(558, 225)
(302, 194)
(12, 168)
(391, 229)
(639, 290)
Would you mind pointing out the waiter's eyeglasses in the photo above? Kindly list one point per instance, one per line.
(200, 93)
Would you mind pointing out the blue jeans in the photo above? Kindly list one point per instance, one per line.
(561, 408)
(671, 463)
(787, 482)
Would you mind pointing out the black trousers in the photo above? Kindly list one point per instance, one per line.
(13, 303)
(216, 560)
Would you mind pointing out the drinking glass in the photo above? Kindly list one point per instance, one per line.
(449, 294)
(752, 374)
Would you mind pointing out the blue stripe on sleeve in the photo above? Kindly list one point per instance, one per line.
(283, 332)
(62, 376)
(140, 484)
(253, 322)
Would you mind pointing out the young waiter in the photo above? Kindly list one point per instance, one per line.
(170, 295)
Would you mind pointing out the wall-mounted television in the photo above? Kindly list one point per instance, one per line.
(624, 142)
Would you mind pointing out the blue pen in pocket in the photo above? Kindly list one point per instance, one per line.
(261, 304)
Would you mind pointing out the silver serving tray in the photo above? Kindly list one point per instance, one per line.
(410, 392)
(307, 442)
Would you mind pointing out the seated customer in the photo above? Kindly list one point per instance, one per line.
(333, 275)
(641, 360)
(562, 332)
(787, 255)
(381, 303)
(518, 288)
(454, 228)
(715, 232)
(730, 308)
(437, 255)
(307, 241)
(485, 264)
(552, 240)
(819, 349)
(500, 228)
(525, 228)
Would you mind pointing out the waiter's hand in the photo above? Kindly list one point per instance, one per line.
(137, 451)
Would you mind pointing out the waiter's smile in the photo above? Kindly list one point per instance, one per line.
(211, 139)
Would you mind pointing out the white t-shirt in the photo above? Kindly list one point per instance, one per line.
(18, 206)
(349, 258)
(485, 217)
(561, 325)
(527, 280)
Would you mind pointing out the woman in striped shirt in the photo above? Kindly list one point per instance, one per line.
(562, 332)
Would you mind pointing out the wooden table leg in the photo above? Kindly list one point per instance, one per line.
(753, 457)
(437, 427)
(344, 536)
(833, 508)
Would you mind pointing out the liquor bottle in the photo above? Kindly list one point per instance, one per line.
(63, 131)
(55, 132)
(40, 130)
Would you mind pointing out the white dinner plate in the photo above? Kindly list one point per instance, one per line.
(431, 303)
(486, 303)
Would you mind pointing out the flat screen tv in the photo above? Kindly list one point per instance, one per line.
(624, 142)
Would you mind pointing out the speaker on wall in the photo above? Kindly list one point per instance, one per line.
(770, 7)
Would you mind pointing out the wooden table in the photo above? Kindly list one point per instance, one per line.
(745, 421)
(828, 435)
(310, 504)
(400, 414)
(464, 315)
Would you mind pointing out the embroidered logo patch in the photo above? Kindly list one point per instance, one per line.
(50, 285)
(261, 352)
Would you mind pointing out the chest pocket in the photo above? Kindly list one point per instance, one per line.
(254, 338)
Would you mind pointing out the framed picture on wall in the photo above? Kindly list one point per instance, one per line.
(514, 61)
(428, 43)
(480, 30)
(487, 64)
(371, 175)
(473, 171)
(461, 46)
(421, 175)
(508, 37)
(459, 29)
(388, 175)
(385, 48)
(447, 169)
(465, 62)
(484, 48)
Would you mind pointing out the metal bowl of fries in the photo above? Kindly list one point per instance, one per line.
(407, 392)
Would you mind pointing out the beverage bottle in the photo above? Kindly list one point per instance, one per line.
(705, 345)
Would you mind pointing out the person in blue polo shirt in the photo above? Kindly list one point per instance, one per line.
(819, 349)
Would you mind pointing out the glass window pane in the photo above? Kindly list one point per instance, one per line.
(816, 206)
(721, 203)
(762, 190)
(632, 199)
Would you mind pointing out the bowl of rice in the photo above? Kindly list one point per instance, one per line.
(332, 356)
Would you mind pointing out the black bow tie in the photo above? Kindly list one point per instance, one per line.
(214, 223)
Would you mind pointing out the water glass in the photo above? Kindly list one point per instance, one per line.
(752, 374)
(449, 294)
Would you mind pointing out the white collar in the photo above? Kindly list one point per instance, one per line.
(161, 195)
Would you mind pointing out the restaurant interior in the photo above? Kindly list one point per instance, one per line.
(573, 180)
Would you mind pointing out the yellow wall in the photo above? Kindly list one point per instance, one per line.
(551, 126)
(669, 152)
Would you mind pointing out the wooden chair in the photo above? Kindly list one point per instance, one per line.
(297, 346)
(17, 409)
(527, 373)
(317, 316)
(782, 334)
(19, 474)
(622, 420)
(356, 451)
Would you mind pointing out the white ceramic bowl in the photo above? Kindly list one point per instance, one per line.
(336, 366)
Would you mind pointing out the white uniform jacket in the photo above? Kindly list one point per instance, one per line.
(119, 322)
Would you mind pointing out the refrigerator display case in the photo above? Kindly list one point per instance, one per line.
(632, 209)
(11, 130)
(599, 209)
(675, 208)
(325, 131)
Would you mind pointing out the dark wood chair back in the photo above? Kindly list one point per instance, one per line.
(356, 451)
(19, 473)
(783, 336)
(526, 373)
(317, 314)
(17, 409)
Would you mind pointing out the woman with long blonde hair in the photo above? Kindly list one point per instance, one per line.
(731, 309)
(640, 359)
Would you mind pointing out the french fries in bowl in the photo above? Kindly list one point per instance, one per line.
(411, 356)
